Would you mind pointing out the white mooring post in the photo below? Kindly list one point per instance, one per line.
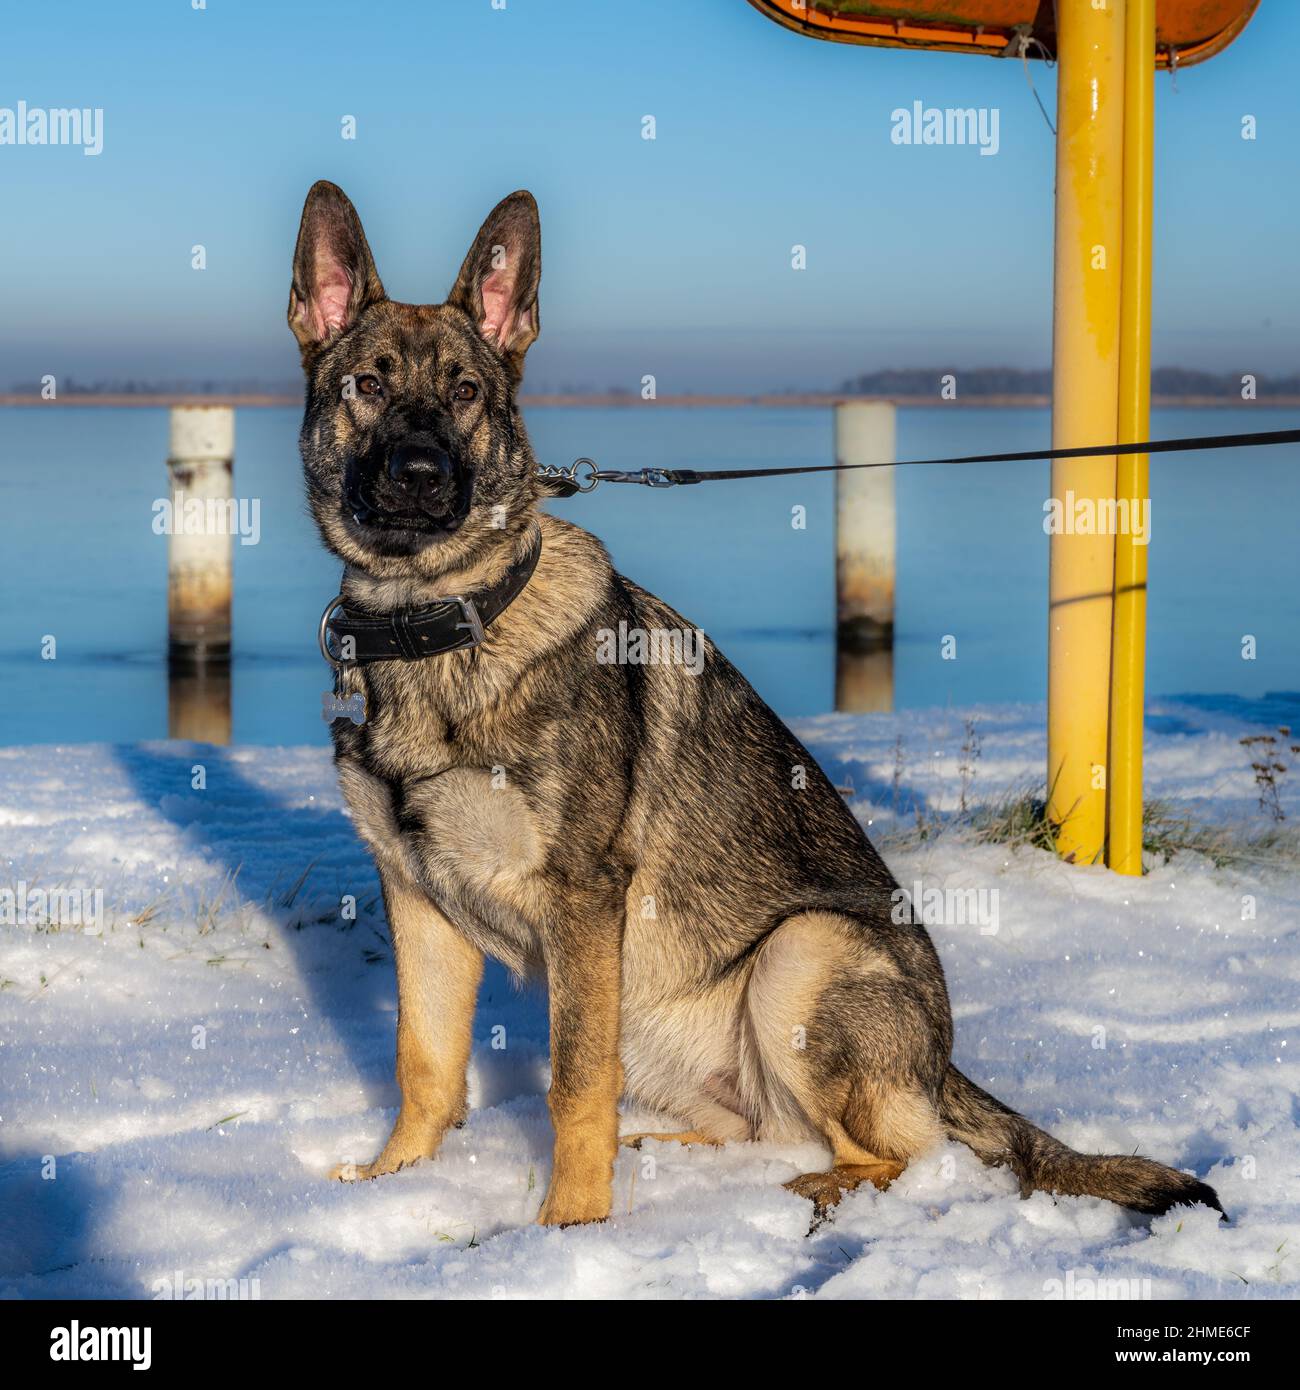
(200, 469)
(864, 557)
(201, 473)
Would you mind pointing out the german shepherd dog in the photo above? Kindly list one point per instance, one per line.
(713, 925)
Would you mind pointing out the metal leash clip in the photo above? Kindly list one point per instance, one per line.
(647, 477)
(564, 482)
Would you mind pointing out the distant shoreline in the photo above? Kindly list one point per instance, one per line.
(794, 400)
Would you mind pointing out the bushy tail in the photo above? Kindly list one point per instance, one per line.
(1000, 1136)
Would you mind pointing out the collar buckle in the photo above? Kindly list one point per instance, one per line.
(472, 620)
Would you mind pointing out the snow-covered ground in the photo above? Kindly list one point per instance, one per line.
(176, 1080)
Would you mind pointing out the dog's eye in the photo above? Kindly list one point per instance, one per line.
(370, 386)
(466, 391)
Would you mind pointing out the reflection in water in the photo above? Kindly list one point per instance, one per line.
(864, 679)
(198, 701)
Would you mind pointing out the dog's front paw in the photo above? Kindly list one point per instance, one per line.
(414, 1137)
(363, 1172)
(569, 1204)
(350, 1172)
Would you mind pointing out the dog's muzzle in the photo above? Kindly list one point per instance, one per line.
(425, 476)
(420, 487)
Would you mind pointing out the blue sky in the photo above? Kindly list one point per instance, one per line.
(670, 257)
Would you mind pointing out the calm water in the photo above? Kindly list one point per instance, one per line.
(82, 562)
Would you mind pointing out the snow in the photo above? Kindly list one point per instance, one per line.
(176, 1080)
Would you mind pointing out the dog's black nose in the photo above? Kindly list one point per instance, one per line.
(414, 463)
(424, 472)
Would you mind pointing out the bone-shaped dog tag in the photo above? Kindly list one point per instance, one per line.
(336, 707)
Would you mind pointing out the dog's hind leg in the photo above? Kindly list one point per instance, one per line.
(824, 1190)
(710, 1123)
(687, 1136)
(851, 1166)
(438, 974)
(839, 1044)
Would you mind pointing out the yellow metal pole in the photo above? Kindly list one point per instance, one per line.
(1132, 484)
(1085, 377)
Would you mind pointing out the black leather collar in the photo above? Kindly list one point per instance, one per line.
(409, 634)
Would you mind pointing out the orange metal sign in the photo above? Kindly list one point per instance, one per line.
(1187, 31)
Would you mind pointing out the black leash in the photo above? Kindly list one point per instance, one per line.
(564, 482)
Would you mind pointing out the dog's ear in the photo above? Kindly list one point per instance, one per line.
(497, 285)
(334, 275)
